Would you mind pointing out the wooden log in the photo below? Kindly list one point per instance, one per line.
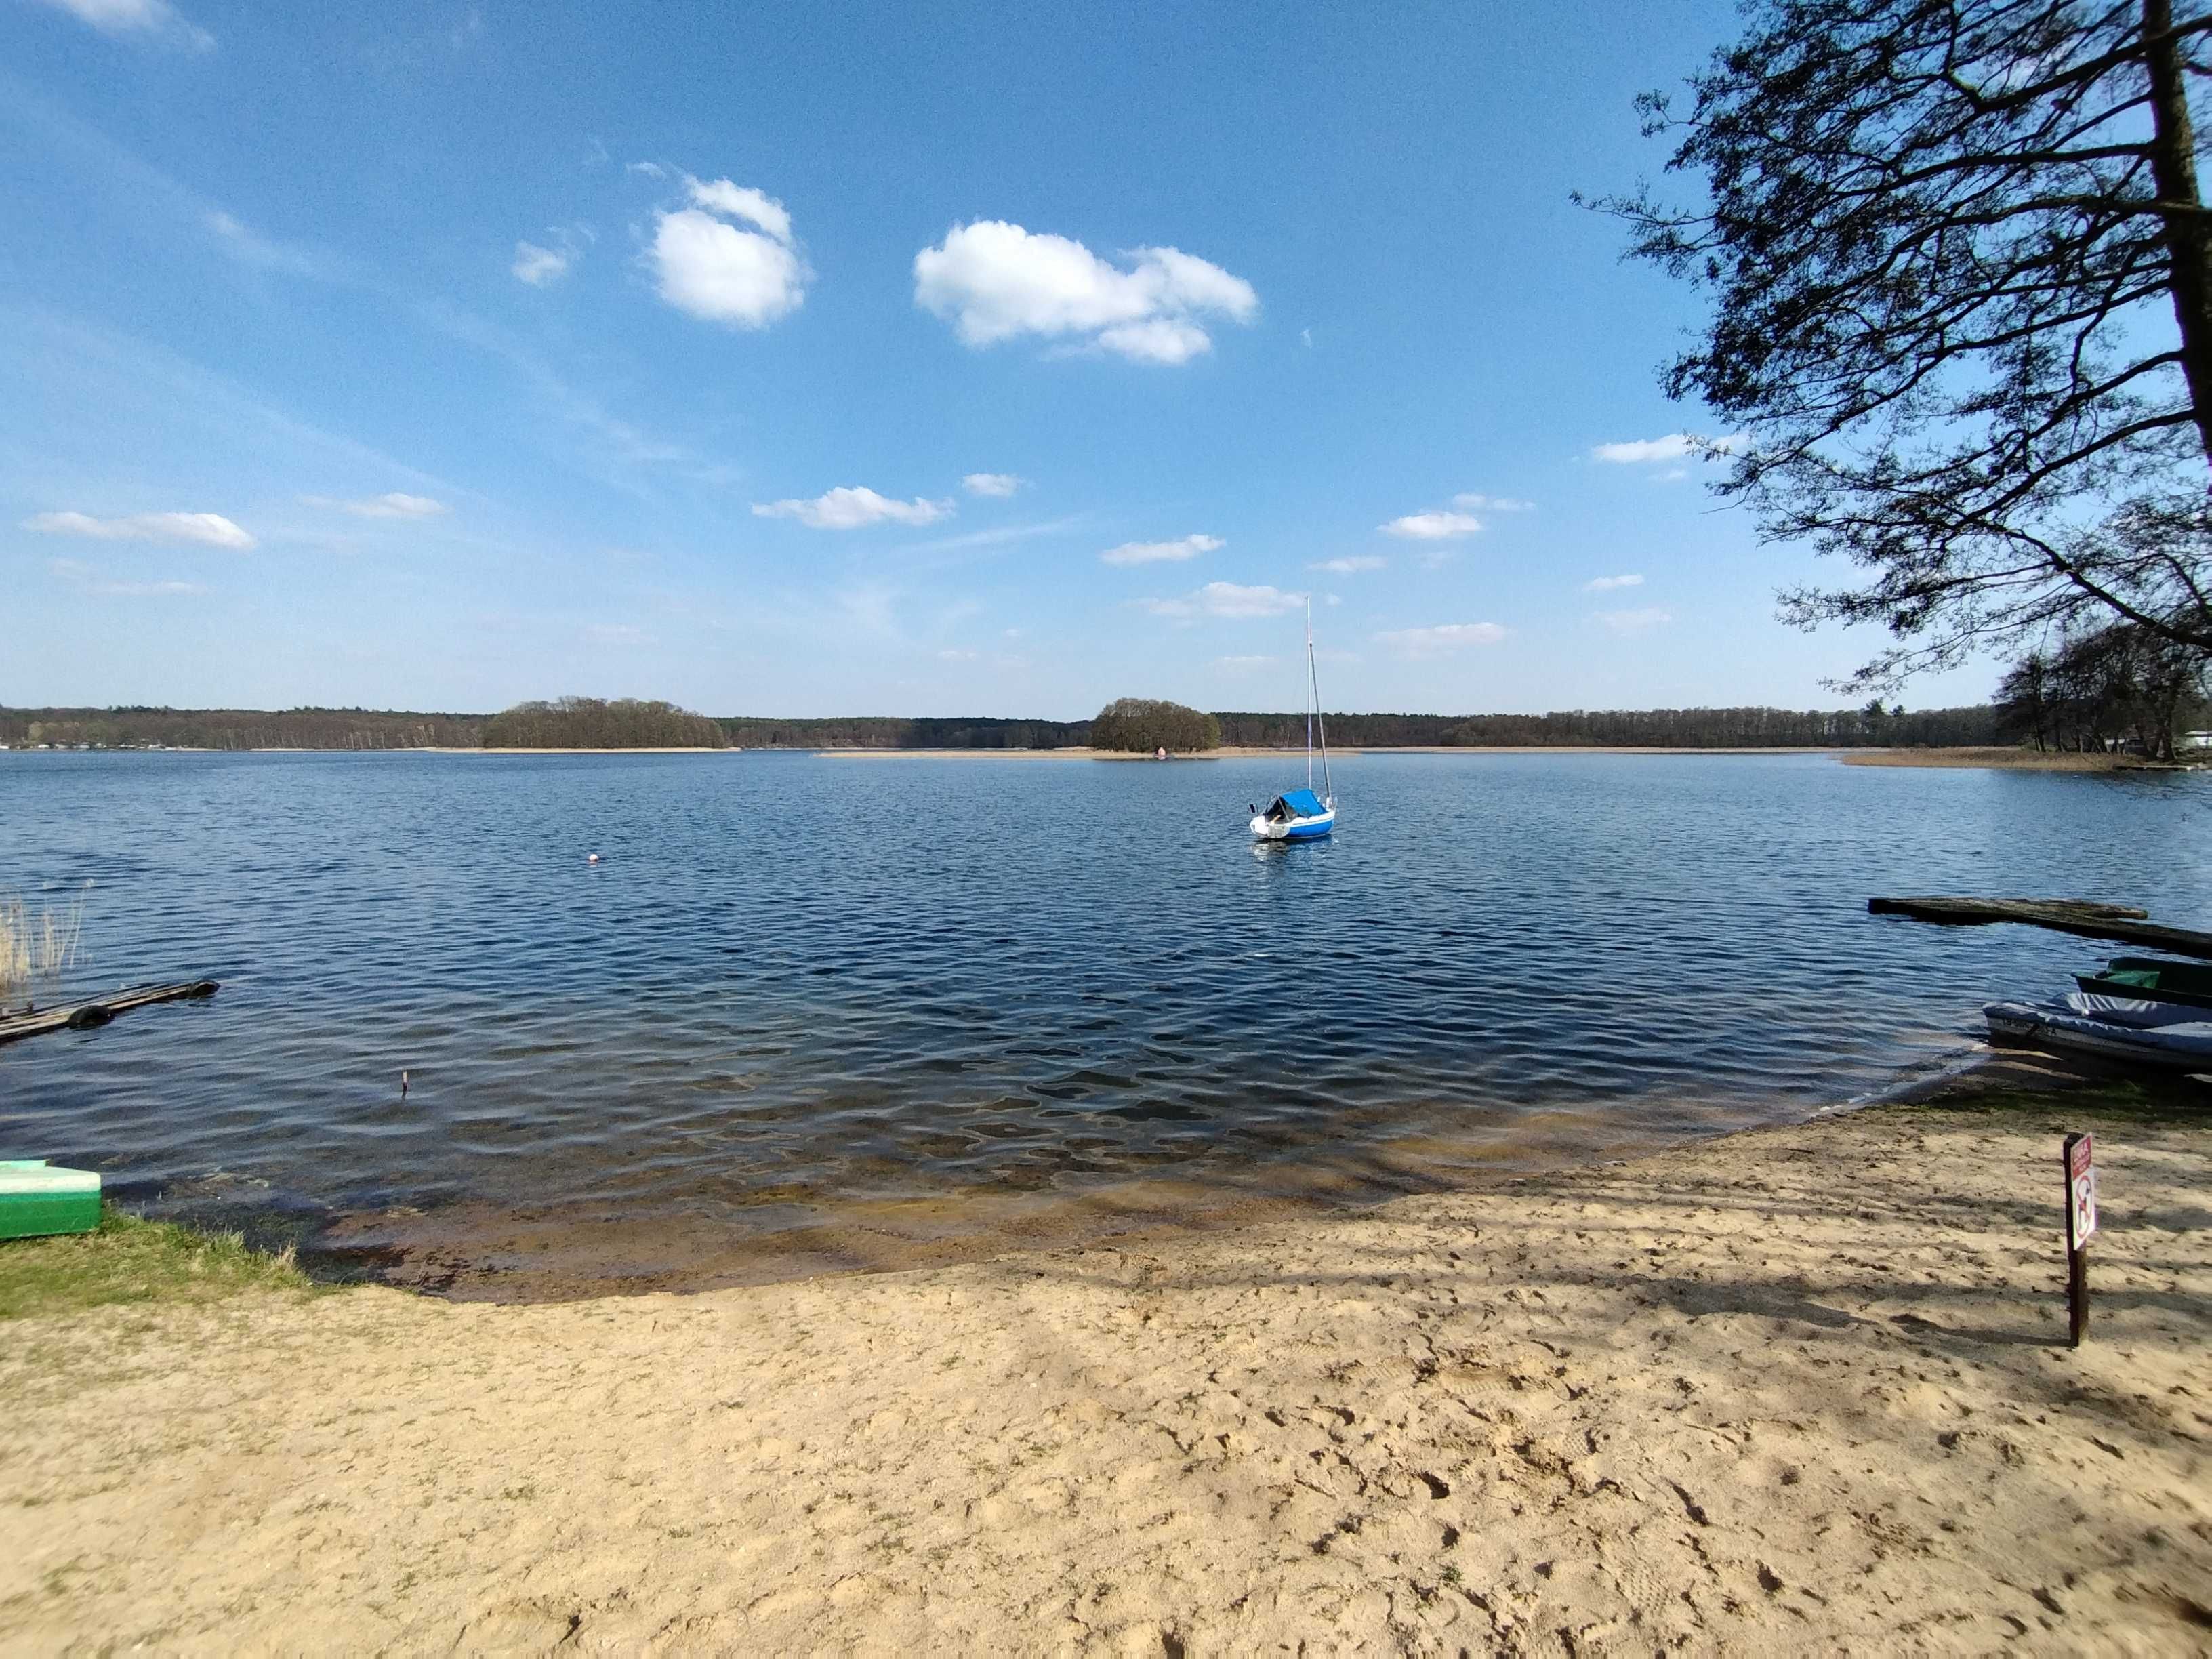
(2120, 922)
(83, 1016)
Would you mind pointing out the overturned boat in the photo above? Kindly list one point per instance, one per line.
(2080, 1026)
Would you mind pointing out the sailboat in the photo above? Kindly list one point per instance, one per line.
(1299, 814)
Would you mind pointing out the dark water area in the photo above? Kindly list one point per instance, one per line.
(811, 1013)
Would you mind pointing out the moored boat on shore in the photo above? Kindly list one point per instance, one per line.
(2186, 1044)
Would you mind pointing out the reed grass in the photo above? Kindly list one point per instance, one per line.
(37, 947)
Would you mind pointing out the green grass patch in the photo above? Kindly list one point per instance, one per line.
(125, 1259)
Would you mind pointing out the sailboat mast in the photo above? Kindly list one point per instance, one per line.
(1314, 719)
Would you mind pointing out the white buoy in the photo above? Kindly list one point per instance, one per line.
(593, 858)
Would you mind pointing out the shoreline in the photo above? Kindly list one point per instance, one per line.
(1795, 1386)
(2012, 760)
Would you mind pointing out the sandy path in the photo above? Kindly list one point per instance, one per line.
(1798, 1389)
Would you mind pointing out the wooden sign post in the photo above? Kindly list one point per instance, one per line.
(2077, 1156)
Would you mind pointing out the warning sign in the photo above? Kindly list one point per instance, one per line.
(2081, 1191)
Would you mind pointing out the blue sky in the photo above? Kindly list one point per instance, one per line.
(874, 359)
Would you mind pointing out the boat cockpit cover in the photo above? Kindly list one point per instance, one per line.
(1299, 804)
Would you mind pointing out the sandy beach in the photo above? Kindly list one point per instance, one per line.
(1798, 1388)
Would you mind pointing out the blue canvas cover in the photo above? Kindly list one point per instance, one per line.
(1303, 803)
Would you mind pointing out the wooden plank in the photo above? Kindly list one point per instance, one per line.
(2118, 922)
(83, 1016)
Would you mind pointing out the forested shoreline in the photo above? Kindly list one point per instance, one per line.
(580, 723)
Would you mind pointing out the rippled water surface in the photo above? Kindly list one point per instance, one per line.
(804, 1003)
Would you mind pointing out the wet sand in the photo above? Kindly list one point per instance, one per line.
(1799, 1389)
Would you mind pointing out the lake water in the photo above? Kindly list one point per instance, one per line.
(816, 1012)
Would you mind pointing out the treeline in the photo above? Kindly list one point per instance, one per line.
(1873, 726)
(238, 728)
(2117, 687)
(597, 723)
(589, 723)
(887, 732)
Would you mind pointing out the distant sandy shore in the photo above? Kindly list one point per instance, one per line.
(2009, 760)
(1799, 1390)
(1231, 751)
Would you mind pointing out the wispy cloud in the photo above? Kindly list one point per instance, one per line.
(1634, 622)
(1188, 547)
(991, 483)
(620, 634)
(852, 507)
(1442, 638)
(83, 576)
(208, 528)
(1225, 599)
(1494, 503)
(1607, 584)
(954, 654)
(1674, 447)
(1435, 527)
(993, 281)
(394, 506)
(1000, 535)
(155, 22)
(541, 266)
(1244, 665)
(1350, 567)
(713, 267)
(251, 247)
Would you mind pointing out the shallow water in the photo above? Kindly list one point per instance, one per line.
(812, 1012)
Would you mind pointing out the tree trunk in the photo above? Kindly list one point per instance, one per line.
(2188, 233)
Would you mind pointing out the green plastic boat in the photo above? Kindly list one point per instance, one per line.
(36, 1198)
(2152, 979)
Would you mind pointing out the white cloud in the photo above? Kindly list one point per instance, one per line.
(210, 529)
(1350, 567)
(538, 266)
(848, 507)
(394, 506)
(1445, 637)
(1634, 622)
(994, 281)
(991, 483)
(1674, 447)
(741, 202)
(951, 655)
(152, 20)
(1161, 552)
(1225, 599)
(1607, 584)
(1495, 503)
(615, 634)
(1242, 664)
(1433, 526)
(712, 270)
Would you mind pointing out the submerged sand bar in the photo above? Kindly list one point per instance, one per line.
(1797, 1389)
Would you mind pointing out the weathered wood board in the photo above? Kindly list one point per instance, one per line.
(83, 1016)
(2109, 921)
